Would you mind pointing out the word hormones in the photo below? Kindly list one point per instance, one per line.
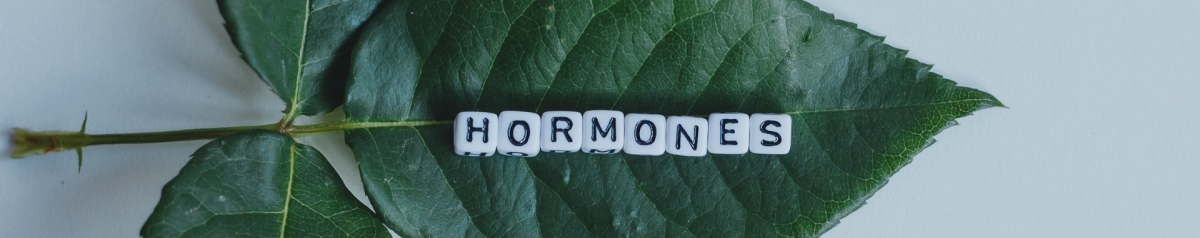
(525, 134)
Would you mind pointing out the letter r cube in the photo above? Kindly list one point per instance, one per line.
(562, 131)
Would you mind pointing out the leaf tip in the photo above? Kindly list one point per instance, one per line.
(993, 102)
(999, 104)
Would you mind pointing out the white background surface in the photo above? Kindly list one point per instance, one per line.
(1101, 139)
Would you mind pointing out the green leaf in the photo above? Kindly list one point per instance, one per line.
(259, 184)
(860, 110)
(299, 47)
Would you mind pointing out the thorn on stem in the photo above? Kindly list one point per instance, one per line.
(80, 153)
(84, 127)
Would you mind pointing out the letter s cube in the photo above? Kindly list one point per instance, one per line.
(770, 133)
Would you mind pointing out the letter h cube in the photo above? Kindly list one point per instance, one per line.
(475, 133)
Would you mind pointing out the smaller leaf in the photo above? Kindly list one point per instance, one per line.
(300, 48)
(259, 184)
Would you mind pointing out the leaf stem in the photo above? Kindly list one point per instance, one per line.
(170, 136)
(31, 143)
(285, 122)
(297, 131)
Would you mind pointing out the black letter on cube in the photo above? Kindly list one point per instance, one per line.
(612, 123)
(684, 135)
(516, 154)
(514, 140)
(763, 129)
(727, 131)
(471, 129)
(637, 132)
(554, 123)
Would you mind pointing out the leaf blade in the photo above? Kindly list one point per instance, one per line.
(249, 184)
(860, 111)
(299, 48)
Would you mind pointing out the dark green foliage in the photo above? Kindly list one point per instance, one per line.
(259, 184)
(860, 111)
(299, 47)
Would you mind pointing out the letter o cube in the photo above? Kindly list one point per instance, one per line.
(562, 131)
(728, 133)
(645, 134)
(475, 133)
(770, 133)
(603, 131)
(687, 136)
(520, 134)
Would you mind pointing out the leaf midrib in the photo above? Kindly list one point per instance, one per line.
(287, 202)
(888, 107)
(348, 125)
(300, 62)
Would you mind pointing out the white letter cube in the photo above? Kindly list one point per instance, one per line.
(520, 133)
(603, 131)
(770, 133)
(687, 136)
(728, 133)
(645, 134)
(562, 131)
(475, 133)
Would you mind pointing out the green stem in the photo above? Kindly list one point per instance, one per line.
(30, 143)
(319, 129)
(170, 136)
